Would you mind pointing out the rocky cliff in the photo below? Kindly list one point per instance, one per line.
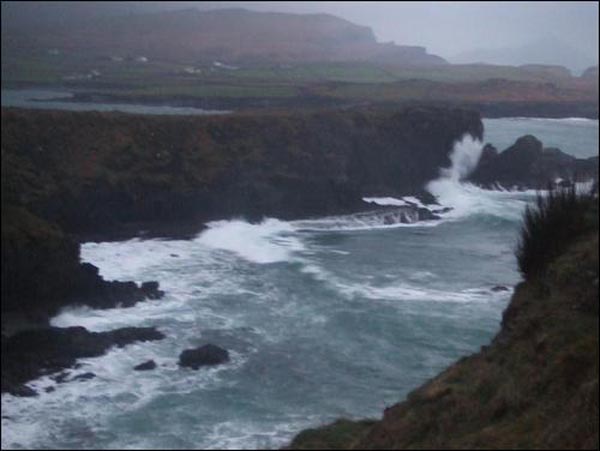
(98, 172)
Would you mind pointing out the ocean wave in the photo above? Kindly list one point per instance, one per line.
(466, 199)
(270, 241)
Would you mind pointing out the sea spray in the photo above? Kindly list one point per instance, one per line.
(451, 190)
(267, 242)
(464, 159)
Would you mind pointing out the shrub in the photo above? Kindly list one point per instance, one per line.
(554, 221)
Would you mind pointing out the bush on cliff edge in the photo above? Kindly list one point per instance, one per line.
(551, 224)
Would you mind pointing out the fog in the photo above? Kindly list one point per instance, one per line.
(564, 33)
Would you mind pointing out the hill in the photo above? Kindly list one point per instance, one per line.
(232, 36)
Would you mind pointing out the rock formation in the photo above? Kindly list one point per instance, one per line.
(528, 165)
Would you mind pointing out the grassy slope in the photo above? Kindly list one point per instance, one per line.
(535, 386)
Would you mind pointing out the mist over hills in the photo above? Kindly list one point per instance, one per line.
(232, 35)
(547, 51)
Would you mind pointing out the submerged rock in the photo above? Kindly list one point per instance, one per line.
(204, 355)
(148, 365)
(498, 288)
(22, 391)
(83, 377)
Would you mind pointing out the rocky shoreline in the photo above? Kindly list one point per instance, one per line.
(69, 177)
(73, 177)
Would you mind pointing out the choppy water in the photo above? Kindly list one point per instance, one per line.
(323, 318)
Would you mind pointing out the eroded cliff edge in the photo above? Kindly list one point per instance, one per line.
(101, 172)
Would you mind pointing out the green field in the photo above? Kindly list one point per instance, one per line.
(329, 82)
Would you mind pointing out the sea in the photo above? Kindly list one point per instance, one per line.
(323, 317)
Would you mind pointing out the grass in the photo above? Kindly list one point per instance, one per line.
(551, 225)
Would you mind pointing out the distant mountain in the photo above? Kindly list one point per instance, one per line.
(228, 35)
(547, 51)
(591, 73)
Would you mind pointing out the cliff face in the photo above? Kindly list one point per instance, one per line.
(534, 387)
(95, 172)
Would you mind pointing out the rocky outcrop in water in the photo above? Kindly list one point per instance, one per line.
(202, 356)
(146, 366)
(528, 165)
(30, 354)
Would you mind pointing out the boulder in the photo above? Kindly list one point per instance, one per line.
(84, 377)
(148, 365)
(204, 355)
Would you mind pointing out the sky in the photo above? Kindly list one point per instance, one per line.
(496, 32)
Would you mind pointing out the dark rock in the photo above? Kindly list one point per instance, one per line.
(59, 378)
(22, 391)
(498, 288)
(427, 215)
(29, 354)
(83, 377)
(98, 293)
(49, 389)
(442, 210)
(148, 365)
(204, 355)
(527, 165)
(151, 291)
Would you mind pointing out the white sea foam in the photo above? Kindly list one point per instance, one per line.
(408, 292)
(392, 201)
(35, 422)
(363, 221)
(466, 199)
(405, 201)
(270, 241)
